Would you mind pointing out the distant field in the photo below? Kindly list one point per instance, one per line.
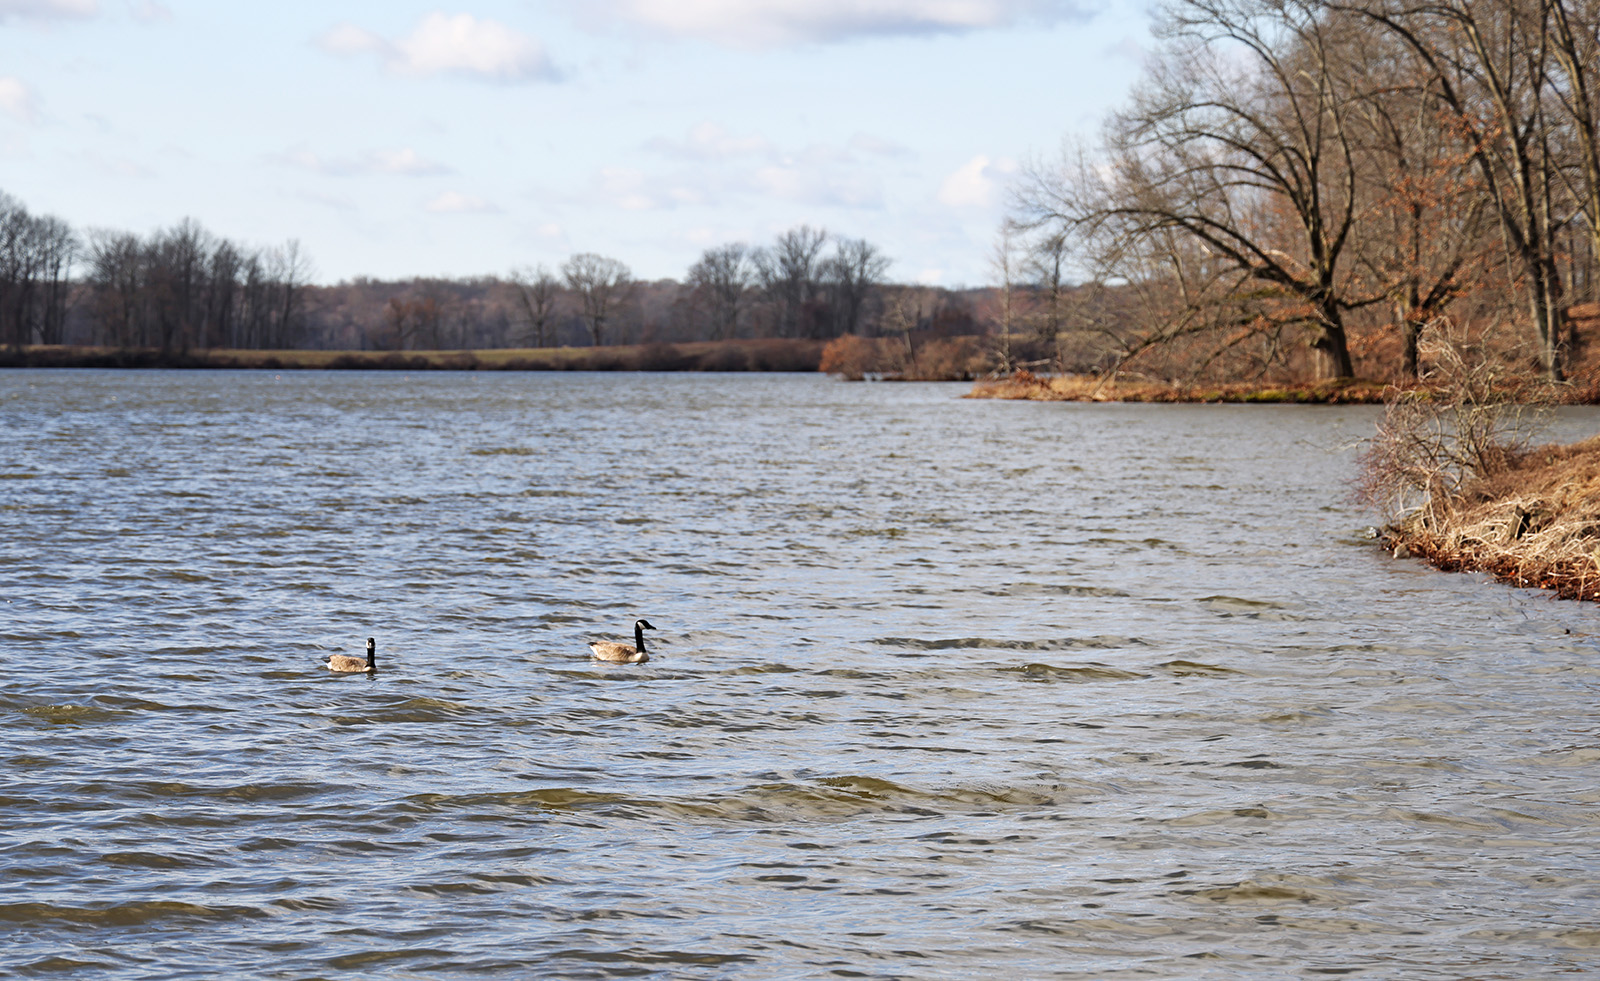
(741, 355)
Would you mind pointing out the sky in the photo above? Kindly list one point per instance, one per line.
(396, 139)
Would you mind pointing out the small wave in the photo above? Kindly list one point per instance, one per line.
(1237, 606)
(1185, 669)
(126, 914)
(990, 643)
(1224, 817)
(372, 958)
(1051, 589)
(827, 798)
(1074, 673)
(73, 714)
(1249, 893)
(421, 709)
(252, 792)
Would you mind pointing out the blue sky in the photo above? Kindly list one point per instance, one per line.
(401, 138)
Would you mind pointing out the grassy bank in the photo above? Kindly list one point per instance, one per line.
(1534, 522)
(742, 355)
(1089, 388)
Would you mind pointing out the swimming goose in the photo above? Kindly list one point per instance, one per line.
(344, 662)
(605, 650)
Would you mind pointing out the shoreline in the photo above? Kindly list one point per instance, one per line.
(783, 355)
(1534, 524)
(1026, 386)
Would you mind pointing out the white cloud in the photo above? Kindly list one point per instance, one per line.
(808, 185)
(877, 146)
(974, 183)
(708, 141)
(151, 12)
(456, 203)
(350, 39)
(48, 9)
(770, 23)
(16, 100)
(634, 190)
(332, 201)
(118, 166)
(444, 44)
(405, 162)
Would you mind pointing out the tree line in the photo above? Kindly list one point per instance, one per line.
(1306, 183)
(183, 288)
(176, 289)
(794, 287)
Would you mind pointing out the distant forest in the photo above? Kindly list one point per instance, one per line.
(184, 289)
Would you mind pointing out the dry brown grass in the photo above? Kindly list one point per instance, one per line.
(1454, 468)
(1092, 388)
(1535, 522)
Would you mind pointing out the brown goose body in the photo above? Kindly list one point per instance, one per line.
(346, 663)
(606, 650)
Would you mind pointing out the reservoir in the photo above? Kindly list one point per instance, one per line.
(939, 687)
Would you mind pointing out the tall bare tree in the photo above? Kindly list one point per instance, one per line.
(788, 272)
(602, 285)
(1003, 263)
(1491, 62)
(721, 278)
(1237, 140)
(848, 277)
(1575, 49)
(537, 290)
(1425, 213)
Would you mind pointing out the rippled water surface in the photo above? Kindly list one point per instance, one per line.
(940, 687)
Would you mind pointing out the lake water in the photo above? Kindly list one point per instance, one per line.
(940, 686)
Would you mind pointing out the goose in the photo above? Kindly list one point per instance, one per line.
(344, 662)
(605, 650)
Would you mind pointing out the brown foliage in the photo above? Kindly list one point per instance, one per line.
(1535, 522)
(914, 357)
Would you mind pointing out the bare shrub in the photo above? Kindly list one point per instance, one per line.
(1471, 418)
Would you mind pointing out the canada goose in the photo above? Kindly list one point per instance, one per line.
(344, 662)
(605, 650)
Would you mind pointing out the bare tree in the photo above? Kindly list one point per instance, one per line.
(722, 277)
(294, 270)
(1425, 213)
(116, 275)
(1575, 49)
(849, 276)
(602, 284)
(1045, 263)
(1491, 63)
(537, 290)
(36, 255)
(787, 271)
(1238, 141)
(1003, 262)
(58, 249)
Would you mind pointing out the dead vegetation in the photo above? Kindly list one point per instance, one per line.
(1094, 388)
(1453, 469)
(1535, 522)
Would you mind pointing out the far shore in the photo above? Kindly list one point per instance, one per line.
(779, 354)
